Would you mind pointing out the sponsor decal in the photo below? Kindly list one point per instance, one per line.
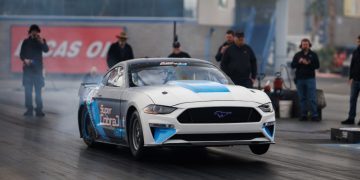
(93, 107)
(107, 119)
(173, 64)
(120, 132)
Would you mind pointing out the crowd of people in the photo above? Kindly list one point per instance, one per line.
(236, 58)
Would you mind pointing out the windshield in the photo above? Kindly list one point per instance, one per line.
(163, 72)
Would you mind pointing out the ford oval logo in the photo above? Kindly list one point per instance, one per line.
(222, 114)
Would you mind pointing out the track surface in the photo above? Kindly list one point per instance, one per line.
(50, 147)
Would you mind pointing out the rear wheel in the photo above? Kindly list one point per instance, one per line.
(259, 149)
(136, 138)
(88, 130)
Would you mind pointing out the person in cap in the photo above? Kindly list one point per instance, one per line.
(177, 53)
(119, 51)
(239, 62)
(305, 62)
(354, 82)
(229, 40)
(31, 55)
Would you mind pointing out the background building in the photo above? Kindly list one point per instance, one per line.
(201, 25)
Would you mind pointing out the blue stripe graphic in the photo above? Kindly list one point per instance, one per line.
(163, 134)
(268, 132)
(119, 133)
(96, 119)
(201, 86)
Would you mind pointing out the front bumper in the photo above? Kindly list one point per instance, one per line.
(165, 130)
(214, 143)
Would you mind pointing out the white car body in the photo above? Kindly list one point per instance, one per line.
(110, 109)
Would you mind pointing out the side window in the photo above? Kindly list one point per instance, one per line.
(105, 78)
(116, 77)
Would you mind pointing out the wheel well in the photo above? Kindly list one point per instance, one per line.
(80, 113)
(128, 116)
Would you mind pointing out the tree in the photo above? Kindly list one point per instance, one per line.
(316, 11)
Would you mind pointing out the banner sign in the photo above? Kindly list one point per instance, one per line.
(72, 49)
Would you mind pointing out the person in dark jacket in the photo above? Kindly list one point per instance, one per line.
(229, 37)
(177, 53)
(119, 51)
(306, 62)
(239, 62)
(354, 81)
(31, 55)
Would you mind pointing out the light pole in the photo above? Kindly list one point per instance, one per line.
(281, 33)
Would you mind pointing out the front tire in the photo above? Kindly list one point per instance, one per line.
(259, 149)
(136, 137)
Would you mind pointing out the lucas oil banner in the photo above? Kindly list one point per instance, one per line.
(72, 49)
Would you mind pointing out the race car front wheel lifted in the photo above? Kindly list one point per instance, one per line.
(259, 149)
(136, 136)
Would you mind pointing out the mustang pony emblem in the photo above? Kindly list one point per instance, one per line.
(222, 114)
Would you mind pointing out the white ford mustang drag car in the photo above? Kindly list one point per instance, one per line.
(151, 102)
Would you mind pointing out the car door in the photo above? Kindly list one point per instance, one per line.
(109, 104)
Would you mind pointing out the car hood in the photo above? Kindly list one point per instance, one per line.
(178, 92)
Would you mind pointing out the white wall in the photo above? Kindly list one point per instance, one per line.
(296, 19)
(211, 13)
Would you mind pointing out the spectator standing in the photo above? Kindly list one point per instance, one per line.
(177, 53)
(239, 62)
(31, 55)
(229, 40)
(119, 51)
(354, 81)
(306, 62)
(92, 77)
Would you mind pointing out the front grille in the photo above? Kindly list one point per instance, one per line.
(219, 115)
(217, 137)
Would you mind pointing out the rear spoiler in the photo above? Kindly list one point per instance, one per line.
(88, 84)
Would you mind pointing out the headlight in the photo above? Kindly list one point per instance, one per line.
(266, 107)
(158, 109)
